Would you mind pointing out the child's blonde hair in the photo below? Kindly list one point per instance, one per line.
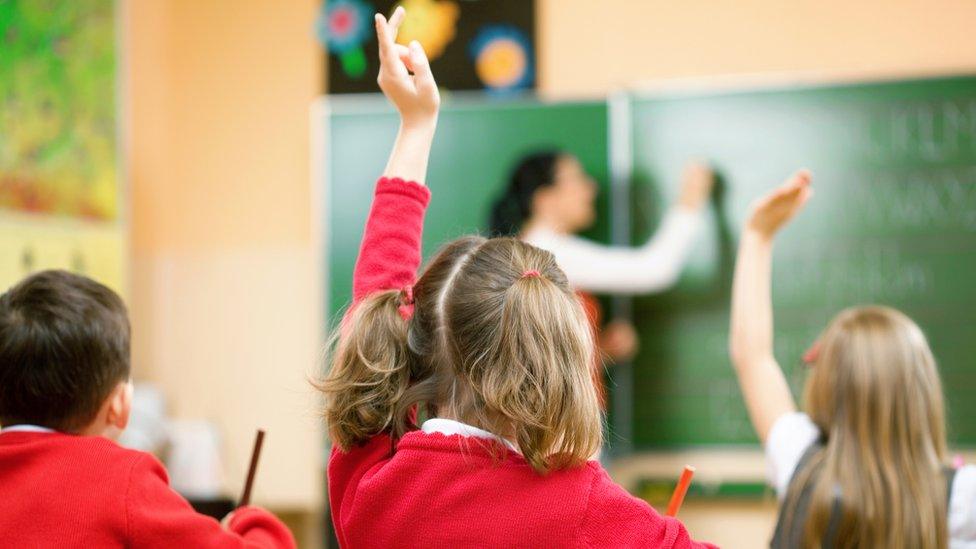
(498, 340)
(875, 394)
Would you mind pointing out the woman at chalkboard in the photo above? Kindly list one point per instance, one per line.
(550, 197)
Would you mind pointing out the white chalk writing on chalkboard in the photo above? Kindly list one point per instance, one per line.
(930, 131)
(726, 410)
(915, 199)
(874, 271)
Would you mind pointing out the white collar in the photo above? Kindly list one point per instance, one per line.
(452, 427)
(25, 428)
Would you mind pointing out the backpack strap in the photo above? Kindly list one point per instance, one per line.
(799, 515)
(834, 523)
(950, 477)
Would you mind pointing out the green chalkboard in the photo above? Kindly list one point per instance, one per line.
(893, 221)
(477, 143)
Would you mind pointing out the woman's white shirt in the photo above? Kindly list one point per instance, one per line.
(652, 267)
(793, 433)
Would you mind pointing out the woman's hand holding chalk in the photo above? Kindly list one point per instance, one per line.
(680, 490)
(255, 455)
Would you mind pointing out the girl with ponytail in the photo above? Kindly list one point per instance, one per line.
(864, 464)
(492, 347)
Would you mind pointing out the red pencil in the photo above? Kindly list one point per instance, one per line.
(680, 490)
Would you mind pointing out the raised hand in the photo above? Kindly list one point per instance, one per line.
(764, 388)
(415, 95)
(696, 185)
(772, 211)
(619, 340)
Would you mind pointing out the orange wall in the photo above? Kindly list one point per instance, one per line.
(589, 47)
(230, 81)
(225, 276)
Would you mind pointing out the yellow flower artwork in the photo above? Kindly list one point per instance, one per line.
(432, 23)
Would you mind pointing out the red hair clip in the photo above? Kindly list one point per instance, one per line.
(406, 295)
(812, 354)
(406, 302)
(531, 273)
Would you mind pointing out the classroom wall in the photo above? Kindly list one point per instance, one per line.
(225, 278)
(587, 48)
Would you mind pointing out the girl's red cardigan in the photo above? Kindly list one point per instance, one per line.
(431, 490)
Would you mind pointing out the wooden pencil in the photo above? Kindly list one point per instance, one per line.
(255, 456)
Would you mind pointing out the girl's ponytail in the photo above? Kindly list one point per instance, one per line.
(383, 369)
(551, 398)
(370, 372)
(521, 348)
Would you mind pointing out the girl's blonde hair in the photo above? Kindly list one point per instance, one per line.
(498, 340)
(875, 394)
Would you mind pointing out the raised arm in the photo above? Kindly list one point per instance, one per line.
(369, 369)
(653, 267)
(763, 384)
(390, 251)
(415, 97)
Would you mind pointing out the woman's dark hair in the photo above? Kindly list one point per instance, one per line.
(514, 206)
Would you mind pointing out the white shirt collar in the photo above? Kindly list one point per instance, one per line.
(25, 428)
(452, 427)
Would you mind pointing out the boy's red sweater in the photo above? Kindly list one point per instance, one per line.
(59, 490)
(431, 490)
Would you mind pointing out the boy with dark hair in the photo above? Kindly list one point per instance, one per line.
(65, 396)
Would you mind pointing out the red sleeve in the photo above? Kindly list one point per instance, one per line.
(346, 470)
(156, 516)
(389, 255)
(260, 528)
(615, 518)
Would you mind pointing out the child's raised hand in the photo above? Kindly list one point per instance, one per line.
(774, 210)
(414, 96)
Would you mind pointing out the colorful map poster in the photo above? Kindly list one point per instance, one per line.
(59, 167)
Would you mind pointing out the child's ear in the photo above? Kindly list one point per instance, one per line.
(120, 405)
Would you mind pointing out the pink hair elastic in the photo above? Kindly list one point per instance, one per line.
(812, 354)
(531, 273)
(406, 302)
(406, 295)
